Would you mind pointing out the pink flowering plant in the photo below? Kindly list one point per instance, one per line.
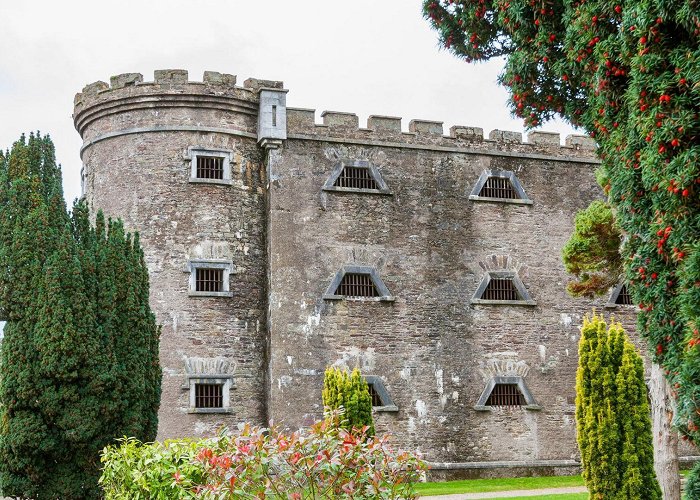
(324, 461)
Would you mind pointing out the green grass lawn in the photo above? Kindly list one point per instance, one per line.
(570, 496)
(503, 484)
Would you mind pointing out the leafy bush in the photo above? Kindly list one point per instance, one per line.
(350, 392)
(324, 461)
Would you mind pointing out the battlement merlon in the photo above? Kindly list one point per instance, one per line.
(170, 87)
(339, 126)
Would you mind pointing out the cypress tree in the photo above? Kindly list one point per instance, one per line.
(612, 415)
(79, 362)
(351, 392)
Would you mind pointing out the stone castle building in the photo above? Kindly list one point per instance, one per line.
(278, 246)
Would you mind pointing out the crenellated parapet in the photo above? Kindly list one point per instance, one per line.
(216, 96)
(257, 109)
(388, 130)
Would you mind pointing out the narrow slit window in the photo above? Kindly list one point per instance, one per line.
(376, 398)
(274, 115)
(506, 396)
(210, 167)
(209, 280)
(356, 177)
(208, 396)
(357, 285)
(501, 289)
(624, 298)
(499, 187)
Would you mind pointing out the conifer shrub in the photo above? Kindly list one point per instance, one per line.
(592, 254)
(612, 415)
(350, 392)
(324, 461)
(79, 362)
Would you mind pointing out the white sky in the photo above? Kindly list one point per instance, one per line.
(361, 56)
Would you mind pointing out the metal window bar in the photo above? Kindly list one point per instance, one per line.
(210, 167)
(501, 289)
(624, 298)
(208, 396)
(506, 396)
(499, 187)
(356, 177)
(357, 285)
(376, 399)
(209, 280)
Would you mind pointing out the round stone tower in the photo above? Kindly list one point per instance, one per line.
(180, 163)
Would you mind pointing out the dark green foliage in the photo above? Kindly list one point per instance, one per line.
(350, 391)
(612, 415)
(628, 72)
(592, 254)
(692, 485)
(79, 361)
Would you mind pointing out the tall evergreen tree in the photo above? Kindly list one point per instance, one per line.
(79, 363)
(612, 415)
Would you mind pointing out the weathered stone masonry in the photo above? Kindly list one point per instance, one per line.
(284, 238)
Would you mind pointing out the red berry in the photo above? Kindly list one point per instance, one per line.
(618, 9)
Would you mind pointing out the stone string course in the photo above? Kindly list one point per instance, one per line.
(287, 238)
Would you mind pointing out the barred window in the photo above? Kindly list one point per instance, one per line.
(209, 280)
(209, 277)
(208, 396)
(506, 392)
(500, 289)
(357, 285)
(624, 298)
(358, 282)
(381, 400)
(376, 398)
(506, 396)
(499, 186)
(356, 177)
(210, 167)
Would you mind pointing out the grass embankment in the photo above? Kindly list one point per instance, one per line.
(503, 484)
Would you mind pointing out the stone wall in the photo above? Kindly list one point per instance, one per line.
(287, 233)
(431, 246)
